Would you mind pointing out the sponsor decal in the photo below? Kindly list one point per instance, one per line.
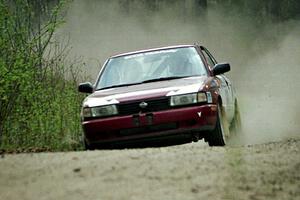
(94, 102)
(149, 53)
(199, 114)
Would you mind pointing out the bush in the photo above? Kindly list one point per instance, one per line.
(39, 102)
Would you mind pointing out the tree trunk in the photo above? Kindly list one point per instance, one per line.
(202, 4)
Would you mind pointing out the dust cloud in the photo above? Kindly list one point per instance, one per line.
(265, 58)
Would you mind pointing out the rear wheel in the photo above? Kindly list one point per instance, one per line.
(219, 136)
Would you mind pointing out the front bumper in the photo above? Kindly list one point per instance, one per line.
(173, 122)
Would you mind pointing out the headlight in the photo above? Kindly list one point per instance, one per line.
(101, 111)
(186, 99)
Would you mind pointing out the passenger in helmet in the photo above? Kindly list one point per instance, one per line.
(178, 64)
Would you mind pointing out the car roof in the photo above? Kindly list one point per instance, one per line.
(152, 49)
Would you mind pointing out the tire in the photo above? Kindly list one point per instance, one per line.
(219, 136)
(87, 146)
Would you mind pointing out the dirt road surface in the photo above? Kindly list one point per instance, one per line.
(189, 171)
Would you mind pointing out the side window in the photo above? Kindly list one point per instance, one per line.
(210, 59)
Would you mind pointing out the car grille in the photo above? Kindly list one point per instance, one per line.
(153, 105)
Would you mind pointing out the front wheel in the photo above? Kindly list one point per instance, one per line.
(219, 136)
(87, 146)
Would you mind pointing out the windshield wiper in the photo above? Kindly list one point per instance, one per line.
(164, 79)
(120, 85)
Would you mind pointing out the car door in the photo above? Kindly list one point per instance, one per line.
(226, 91)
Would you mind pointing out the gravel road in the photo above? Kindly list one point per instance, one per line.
(189, 171)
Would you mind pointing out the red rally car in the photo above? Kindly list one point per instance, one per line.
(159, 95)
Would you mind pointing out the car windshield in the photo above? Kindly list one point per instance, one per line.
(151, 66)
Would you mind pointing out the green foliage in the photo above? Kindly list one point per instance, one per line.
(39, 103)
(262, 11)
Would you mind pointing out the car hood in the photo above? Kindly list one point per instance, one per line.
(145, 91)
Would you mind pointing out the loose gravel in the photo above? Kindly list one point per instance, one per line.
(189, 171)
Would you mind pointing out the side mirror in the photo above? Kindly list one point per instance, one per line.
(86, 87)
(221, 68)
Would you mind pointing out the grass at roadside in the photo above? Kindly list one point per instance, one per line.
(39, 102)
